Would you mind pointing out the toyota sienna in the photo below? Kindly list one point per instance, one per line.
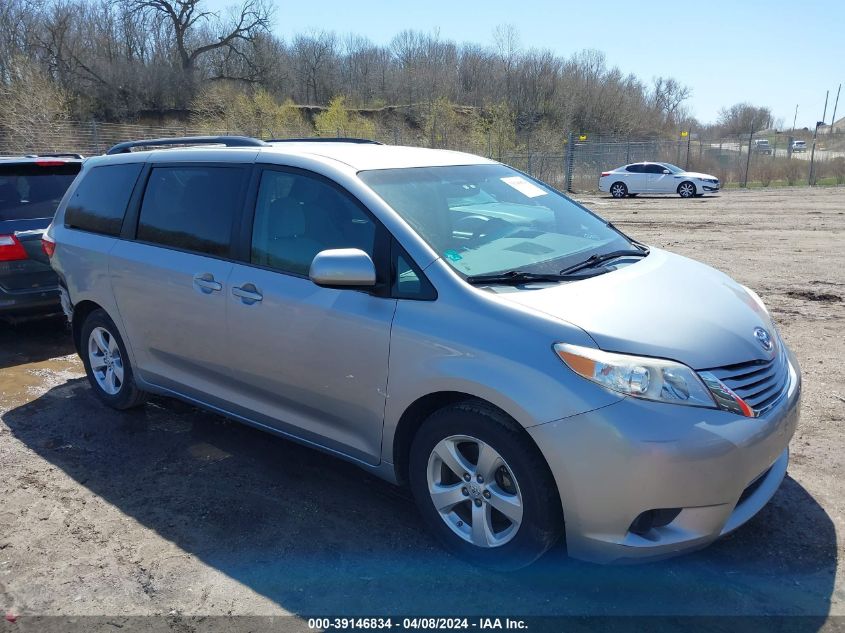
(443, 321)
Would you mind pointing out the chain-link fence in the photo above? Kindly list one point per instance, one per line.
(766, 163)
(575, 166)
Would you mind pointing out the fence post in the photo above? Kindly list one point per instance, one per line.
(96, 136)
(569, 162)
(747, 158)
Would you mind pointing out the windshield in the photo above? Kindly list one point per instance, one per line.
(486, 219)
(673, 168)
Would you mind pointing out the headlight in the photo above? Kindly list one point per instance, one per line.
(641, 377)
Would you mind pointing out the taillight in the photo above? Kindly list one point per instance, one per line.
(11, 249)
(605, 173)
(48, 245)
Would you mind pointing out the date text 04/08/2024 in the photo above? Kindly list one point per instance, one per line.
(424, 623)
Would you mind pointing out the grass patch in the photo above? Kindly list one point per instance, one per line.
(756, 184)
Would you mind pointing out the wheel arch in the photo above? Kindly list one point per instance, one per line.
(80, 312)
(418, 411)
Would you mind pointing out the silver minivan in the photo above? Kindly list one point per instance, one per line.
(443, 321)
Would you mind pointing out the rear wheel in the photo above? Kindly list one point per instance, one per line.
(686, 189)
(107, 363)
(483, 488)
(618, 190)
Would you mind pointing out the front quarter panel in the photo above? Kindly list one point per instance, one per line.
(471, 343)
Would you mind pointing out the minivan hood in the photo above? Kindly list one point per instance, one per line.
(663, 305)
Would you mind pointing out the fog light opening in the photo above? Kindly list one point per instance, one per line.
(650, 519)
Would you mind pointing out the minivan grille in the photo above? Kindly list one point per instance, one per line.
(760, 383)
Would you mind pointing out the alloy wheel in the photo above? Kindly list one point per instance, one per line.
(474, 491)
(687, 190)
(105, 360)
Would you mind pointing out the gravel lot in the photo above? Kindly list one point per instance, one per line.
(171, 510)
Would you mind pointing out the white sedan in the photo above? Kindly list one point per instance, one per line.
(635, 178)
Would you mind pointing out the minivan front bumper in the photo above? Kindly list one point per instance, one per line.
(710, 471)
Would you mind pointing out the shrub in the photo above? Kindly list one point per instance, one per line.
(222, 108)
(795, 171)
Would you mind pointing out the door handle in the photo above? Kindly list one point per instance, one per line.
(205, 282)
(248, 293)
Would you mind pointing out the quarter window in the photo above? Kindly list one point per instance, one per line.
(297, 216)
(100, 200)
(192, 208)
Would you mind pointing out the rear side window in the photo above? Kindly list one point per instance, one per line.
(192, 208)
(634, 169)
(34, 190)
(100, 200)
(653, 168)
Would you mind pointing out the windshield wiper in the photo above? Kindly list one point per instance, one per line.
(523, 276)
(595, 260)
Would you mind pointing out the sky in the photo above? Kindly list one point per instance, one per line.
(774, 53)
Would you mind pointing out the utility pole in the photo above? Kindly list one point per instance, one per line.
(826, 97)
(795, 118)
(835, 103)
(748, 158)
(811, 179)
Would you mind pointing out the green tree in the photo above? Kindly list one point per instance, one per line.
(494, 129)
(337, 120)
(441, 123)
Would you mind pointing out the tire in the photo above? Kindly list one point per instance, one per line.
(618, 190)
(517, 479)
(101, 343)
(686, 189)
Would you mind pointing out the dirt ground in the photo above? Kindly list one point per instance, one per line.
(170, 510)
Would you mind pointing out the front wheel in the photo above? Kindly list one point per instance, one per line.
(483, 488)
(107, 363)
(686, 190)
(618, 190)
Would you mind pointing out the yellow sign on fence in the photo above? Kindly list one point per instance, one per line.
(582, 137)
(684, 134)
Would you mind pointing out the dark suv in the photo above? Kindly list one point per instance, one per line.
(31, 188)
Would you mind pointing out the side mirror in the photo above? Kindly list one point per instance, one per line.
(343, 268)
(666, 171)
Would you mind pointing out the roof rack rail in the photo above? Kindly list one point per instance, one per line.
(228, 141)
(327, 139)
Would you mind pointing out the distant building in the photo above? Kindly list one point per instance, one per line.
(838, 126)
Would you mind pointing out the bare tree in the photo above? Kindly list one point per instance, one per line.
(314, 56)
(667, 98)
(197, 32)
(743, 118)
(31, 106)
